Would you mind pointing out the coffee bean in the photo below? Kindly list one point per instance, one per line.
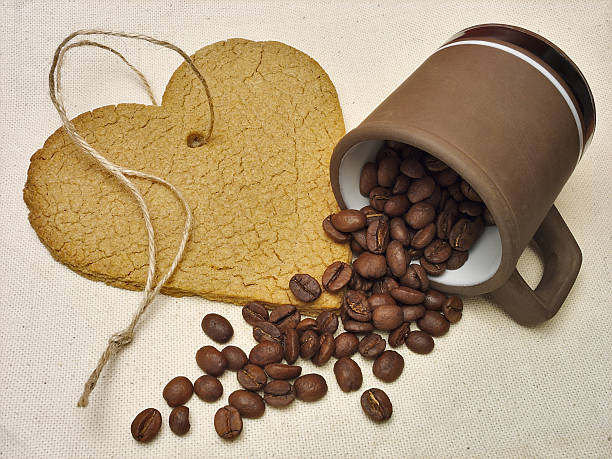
(377, 236)
(354, 326)
(355, 304)
(359, 237)
(412, 313)
(307, 323)
(266, 352)
(421, 189)
(384, 285)
(451, 205)
(368, 179)
(179, 420)
(371, 214)
(346, 345)
(348, 374)
(278, 394)
(434, 300)
(370, 266)
(378, 197)
(396, 205)
(388, 170)
(333, 233)
(211, 361)
(438, 251)
(252, 377)
(433, 323)
(146, 425)
(471, 208)
(487, 217)
(455, 192)
(423, 237)
(254, 312)
(412, 168)
(420, 342)
(396, 258)
(228, 423)
(309, 344)
(327, 346)
(421, 274)
(388, 366)
(398, 231)
(413, 254)
(286, 316)
(387, 317)
(469, 192)
(452, 308)
(359, 283)
(446, 177)
(376, 404)
(371, 346)
(420, 215)
(398, 336)
(378, 299)
(304, 287)
(407, 295)
(310, 387)
(435, 198)
(434, 164)
(336, 276)
(457, 259)
(178, 391)
(348, 220)
(291, 345)
(265, 331)
(327, 322)
(433, 269)
(235, 357)
(249, 404)
(444, 223)
(217, 328)
(463, 235)
(401, 185)
(282, 371)
(208, 388)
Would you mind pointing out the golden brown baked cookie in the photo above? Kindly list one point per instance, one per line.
(258, 189)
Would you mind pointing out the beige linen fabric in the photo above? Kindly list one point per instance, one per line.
(490, 388)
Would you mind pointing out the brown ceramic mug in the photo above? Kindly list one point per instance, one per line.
(512, 114)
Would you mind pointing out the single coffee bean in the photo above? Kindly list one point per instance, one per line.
(384, 285)
(423, 237)
(348, 374)
(327, 346)
(178, 391)
(444, 223)
(179, 420)
(463, 235)
(266, 352)
(252, 377)
(249, 404)
(452, 308)
(348, 220)
(378, 197)
(471, 208)
(355, 326)
(368, 179)
(378, 299)
(310, 387)
(388, 170)
(433, 323)
(278, 394)
(309, 344)
(360, 238)
(285, 316)
(217, 328)
(412, 313)
(371, 346)
(420, 342)
(308, 323)
(398, 231)
(146, 425)
(413, 254)
(487, 217)
(451, 205)
(398, 336)
(401, 185)
(211, 361)
(433, 269)
(415, 278)
(421, 189)
(433, 164)
(469, 192)
(396, 258)
(376, 405)
(370, 266)
(388, 366)
(282, 371)
(291, 345)
(457, 259)
(412, 168)
(208, 388)
(327, 322)
(387, 317)
(266, 331)
(407, 295)
(438, 251)
(254, 312)
(346, 345)
(235, 357)
(336, 276)
(446, 177)
(377, 236)
(421, 274)
(355, 304)
(420, 215)
(434, 300)
(333, 233)
(304, 287)
(396, 205)
(455, 192)
(228, 422)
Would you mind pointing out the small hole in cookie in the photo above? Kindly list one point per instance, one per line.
(195, 139)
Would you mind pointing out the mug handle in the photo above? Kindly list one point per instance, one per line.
(562, 259)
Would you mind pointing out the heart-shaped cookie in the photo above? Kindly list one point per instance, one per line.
(258, 189)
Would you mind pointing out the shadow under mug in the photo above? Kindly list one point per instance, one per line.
(512, 114)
